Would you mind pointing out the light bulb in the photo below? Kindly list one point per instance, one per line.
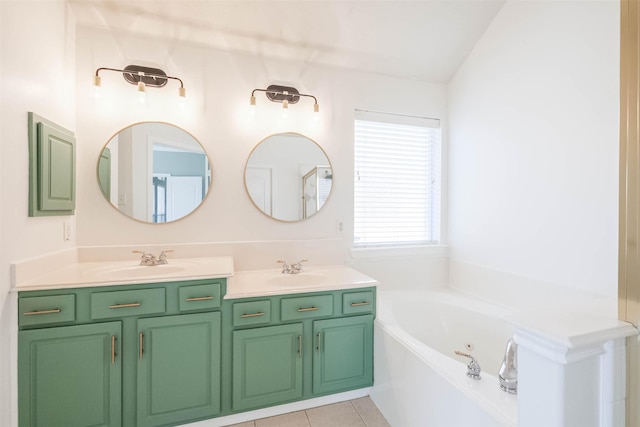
(97, 83)
(285, 108)
(142, 94)
(252, 105)
(182, 96)
(316, 108)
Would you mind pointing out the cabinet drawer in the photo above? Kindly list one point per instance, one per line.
(357, 302)
(251, 313)
(306, 307)
(127, 303)
(46, 310)
(199, 297)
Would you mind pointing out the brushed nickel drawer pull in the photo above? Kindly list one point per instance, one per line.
(113, 349)
(31, 313)
(300, 345)
(318, 347)
(199, 299)
(141, 341)
(301, 310)
(133, 304)
(258, 314)
(358, 304)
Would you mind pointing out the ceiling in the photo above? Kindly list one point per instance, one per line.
(413, 39)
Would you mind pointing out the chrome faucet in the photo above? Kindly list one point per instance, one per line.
(162, 258)
(473, 368)
(508, 374)
(151, 260)
(293, 268)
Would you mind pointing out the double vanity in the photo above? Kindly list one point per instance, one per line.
(120, 344)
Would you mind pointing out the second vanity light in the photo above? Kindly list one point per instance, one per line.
(142, 77)
(284, 94)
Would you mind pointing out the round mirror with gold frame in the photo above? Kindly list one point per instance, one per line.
(288, 177)
(154, 172)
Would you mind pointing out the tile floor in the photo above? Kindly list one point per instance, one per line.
(353, 413)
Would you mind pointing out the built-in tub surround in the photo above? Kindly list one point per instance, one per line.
(571, 364)
(419, 379)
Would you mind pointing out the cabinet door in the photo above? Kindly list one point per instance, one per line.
(178, 369)
(267, 366)
(342, 354)
(70, 376)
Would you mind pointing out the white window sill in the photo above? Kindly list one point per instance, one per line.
(428, 251)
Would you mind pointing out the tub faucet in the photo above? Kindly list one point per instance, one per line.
(508, 374)
(473, 368)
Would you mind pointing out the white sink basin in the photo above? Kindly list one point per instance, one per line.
(139, 271)
(300, 279)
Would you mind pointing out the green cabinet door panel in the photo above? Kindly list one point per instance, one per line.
(57, 169)
(267, 366)
(342, 354)
(52, 168)
(70, 376)
(178, 368)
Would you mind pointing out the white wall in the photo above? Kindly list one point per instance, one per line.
(218, 86)
(38, 74)
(534, 146)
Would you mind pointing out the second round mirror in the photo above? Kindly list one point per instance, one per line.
(288, 177)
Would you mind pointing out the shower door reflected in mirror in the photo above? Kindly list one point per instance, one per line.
(288, 177)
(154, 172)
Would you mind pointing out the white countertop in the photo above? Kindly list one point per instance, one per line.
(245, 284)
(62, 271)
(90, 274)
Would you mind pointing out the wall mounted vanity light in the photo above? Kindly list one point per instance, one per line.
(141, 77)
(284, 94)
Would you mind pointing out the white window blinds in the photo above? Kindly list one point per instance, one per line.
(397, 180)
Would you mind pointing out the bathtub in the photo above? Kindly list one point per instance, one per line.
(419, 380)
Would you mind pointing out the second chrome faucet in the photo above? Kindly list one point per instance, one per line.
(292, 268)
(151, 260)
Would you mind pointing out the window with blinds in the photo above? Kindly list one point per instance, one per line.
(397, 180)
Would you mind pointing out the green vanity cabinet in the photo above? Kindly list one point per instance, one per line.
(126, 355)
(307, 345)
(171, 353)
(342, 356)
(267, 366)
(178, 368)
(70, 376)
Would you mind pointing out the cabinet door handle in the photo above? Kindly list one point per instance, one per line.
(358, 304)
(113, 349)
(141, 337)
(300, 310)
(258, 314)
(300, 345)
(319, 338)
(133, 304)
(31, 313)
(199, 299)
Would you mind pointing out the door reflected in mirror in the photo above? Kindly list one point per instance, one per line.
(288, 177)
(154, 172)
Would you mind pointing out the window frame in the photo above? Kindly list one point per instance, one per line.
(432, 238)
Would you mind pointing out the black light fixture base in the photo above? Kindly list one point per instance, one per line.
(276, 93)
(153, 77)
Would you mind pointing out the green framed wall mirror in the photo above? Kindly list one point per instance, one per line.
(154, 172)
(288, 177)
